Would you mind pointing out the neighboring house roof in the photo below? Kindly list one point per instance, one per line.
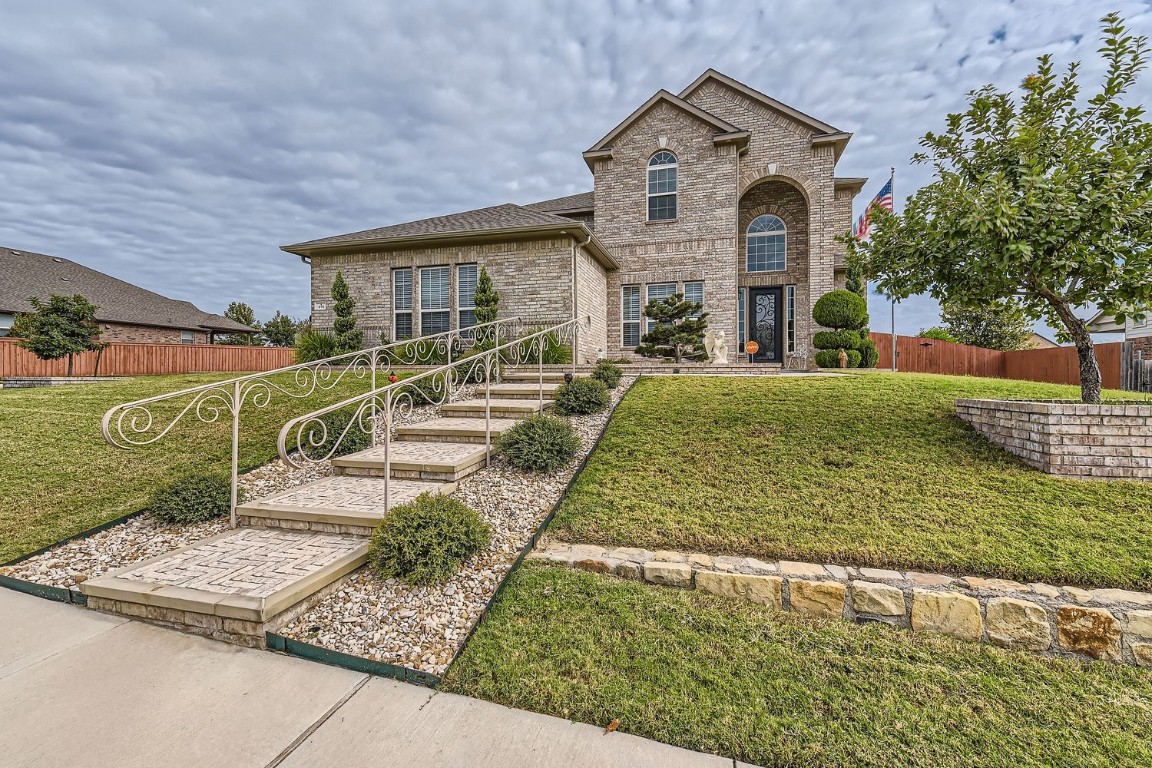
(1036, 341)
(1104, 322)
(582, 202)
(725, 132)
(36, 274)
(493, 223)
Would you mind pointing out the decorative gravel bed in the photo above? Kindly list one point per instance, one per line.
(423, 627)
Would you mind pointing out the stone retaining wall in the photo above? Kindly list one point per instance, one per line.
(1106, 624)
(1067, 438)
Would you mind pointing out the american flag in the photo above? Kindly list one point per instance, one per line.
(883, 199)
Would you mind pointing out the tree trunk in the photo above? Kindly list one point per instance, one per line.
(96, 368)
(69, 365)
(1090, 382)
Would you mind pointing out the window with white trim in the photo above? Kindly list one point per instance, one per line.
(659, 292)
(435, 300)
(767, 244)
(187, 337)
(466, 275)
(402, 303)
(663, 169)
(694, 291)
(630, 314)
(6, 321)
(790, 315)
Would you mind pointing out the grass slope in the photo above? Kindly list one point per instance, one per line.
(60, 477)
(868, 470)
(783, 689)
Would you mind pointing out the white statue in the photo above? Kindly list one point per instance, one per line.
(718, 354)
(710, 344)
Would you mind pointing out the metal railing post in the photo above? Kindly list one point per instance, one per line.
(488, 408)
(387, 449)
(540, 372)
(235, 451)
(372, 418)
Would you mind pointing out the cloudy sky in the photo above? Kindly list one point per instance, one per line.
(177, 145)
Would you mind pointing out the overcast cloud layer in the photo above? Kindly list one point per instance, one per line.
(178, 145)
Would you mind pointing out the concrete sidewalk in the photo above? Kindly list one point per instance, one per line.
(79, 688)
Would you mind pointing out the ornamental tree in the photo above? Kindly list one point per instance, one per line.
(1042, 197)
(678, 331)
(348, 339)
(63, 325)
(997, 325)
(487, 299)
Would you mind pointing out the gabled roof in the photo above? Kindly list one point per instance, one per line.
(578, 203)
(36, 274)
(725, 132)
(507, 221)
(823, 133)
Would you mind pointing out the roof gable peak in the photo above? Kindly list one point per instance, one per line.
(817, 126)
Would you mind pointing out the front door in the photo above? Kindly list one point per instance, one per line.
(766, 321)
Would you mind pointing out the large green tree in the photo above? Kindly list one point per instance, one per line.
(241, 313)
(995, 325)
(678, 329)
(348, 339)
(1045, 197)
(280, 331)
(63, 325)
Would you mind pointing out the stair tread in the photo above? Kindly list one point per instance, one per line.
(461, 424)
(495, 404)
(248, 573)
(341, 499)
(410, 454)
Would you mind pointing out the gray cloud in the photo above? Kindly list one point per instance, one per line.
(178, 145)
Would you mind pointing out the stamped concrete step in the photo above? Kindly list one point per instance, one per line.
(454, 429)
(234, 586)
(443, 462)
(499, 408)
(338, 504)
(550, 377)
(517, 390)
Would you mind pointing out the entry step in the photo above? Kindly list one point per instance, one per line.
(456, 429)
(408, 459)
(499, 408)
(550, 377)
(520, 390)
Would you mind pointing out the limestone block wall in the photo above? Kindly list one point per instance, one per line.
(1068, 438)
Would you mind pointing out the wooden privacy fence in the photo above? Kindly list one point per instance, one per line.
(129, 359)
(1058, 365)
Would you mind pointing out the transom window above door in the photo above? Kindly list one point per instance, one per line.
(767, 244)
(662, 186)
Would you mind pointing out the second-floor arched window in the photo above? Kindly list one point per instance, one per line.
(767, 244)
(662, 168)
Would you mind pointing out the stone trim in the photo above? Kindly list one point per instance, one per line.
(1104, 624)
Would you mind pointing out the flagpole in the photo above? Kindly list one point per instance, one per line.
(892, 183)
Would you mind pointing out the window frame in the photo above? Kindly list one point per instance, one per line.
(684, 290)
(187, 337)
(649, 323)
(654, 168)
(7, 321)
(790, 317)
(397, 310)
(782, 252)
(625, 322)
(461, 306)
(442, 312)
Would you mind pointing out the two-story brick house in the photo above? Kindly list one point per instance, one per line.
(719, 192)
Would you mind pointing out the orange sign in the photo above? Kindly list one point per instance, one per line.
(751, 347)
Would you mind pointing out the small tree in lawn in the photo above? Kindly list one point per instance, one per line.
(63, 325)
(1046, 199)
(239, 312)
(487, 298)
(348, 339)
(280, 331)
(678, 331)
(995, 325)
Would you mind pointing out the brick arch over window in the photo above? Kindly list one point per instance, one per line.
(790, 174)
(786, 201)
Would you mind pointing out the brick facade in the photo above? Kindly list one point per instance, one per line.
(148, 334)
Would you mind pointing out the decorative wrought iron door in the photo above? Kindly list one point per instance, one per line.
(765, 319)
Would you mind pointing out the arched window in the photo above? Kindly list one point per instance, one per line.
(767, 246)
(662, 186)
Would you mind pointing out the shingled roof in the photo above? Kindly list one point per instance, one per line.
(583, 201)
(37, 274)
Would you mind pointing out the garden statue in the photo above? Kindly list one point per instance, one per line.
(843, 357)
(716, 347)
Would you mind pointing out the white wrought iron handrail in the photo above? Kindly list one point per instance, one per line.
(132, 424)
(375, 412)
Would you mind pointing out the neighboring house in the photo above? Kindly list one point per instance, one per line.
(1139, 332)
(1036, 341)
(719, 192)
(125, 312)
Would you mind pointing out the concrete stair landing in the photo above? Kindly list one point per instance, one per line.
(442, 462)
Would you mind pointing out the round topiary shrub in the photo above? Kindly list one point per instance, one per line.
(580, 396)
(192, 499)
(427, 540)
(836, 339)
(607, 373)
(841, 309)
(319, 440)
(539, 444)
(830, 358)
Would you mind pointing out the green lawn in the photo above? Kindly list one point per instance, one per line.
(871, 469)
(784, 689)
(60, 478)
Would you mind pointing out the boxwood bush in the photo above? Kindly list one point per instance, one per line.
(539, 444)
(192, 499)
(607, 373)
(581, 395)
(836, 339)
(840, 309)
(427, 540)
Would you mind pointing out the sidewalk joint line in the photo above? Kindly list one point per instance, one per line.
(288, 750)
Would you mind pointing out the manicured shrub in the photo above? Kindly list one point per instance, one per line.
(836, 339)
(333, 428)
(539, 444)
(581, 395)
(427, 540)
(841, 309)
(830, 358)
(192, 499)
(528, 353)
(869, 355)
(607, 373)
(315, 345)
